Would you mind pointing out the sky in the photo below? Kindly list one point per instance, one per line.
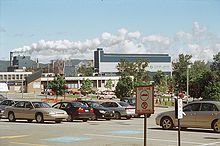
(73, 29)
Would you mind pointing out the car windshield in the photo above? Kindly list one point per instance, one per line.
(94, 104)
(41, 105)
(123, 104)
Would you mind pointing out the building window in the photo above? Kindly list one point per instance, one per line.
(99, 83)
(1, 77)
(17, 77)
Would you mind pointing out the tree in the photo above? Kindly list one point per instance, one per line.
(124, 87)
(86, 86)
(137, 69)
(212, 91)
(58, 85)
(108, 84)
(216, 63)
(158, 77)
(215, 67)
(199, 75)
(180, 71)
(85, 71)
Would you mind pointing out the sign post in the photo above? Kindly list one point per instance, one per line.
(179, 113)
(145, 104)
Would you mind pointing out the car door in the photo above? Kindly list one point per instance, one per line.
(191, 111)
(206, 115)
(28, 112)
(18, 109)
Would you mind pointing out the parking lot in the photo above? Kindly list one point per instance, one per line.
(101, 133)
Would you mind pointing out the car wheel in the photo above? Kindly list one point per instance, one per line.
(29, 121)
(216, 127)
(117, 115)
(69, 118)
(11, 117)
(167, 123)
(58, 121)
(39, 118)
(85, 120)
(128, 117)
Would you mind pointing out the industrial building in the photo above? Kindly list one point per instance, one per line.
(106, 63)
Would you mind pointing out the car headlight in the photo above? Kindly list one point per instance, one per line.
(1, 111)
(102, 111)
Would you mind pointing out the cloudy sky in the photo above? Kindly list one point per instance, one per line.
(64, 29)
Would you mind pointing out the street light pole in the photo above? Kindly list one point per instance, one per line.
(187, 80)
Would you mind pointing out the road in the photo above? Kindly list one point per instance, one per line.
(101, 133)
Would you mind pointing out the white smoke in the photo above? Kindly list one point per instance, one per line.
(199, 42)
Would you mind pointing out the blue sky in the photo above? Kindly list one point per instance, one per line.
(62, 29)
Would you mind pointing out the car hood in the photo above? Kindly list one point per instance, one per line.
(51, 110)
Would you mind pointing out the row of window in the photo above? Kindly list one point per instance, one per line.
(12, 77)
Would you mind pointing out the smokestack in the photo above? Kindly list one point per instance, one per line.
(11, 56)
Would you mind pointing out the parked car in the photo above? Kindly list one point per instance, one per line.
(35, 110)
(198, 114)
(132, 101)
(106, 96)
(100, 112)
(122, 109)
(75, 110)
(2, 97)
(4, 104)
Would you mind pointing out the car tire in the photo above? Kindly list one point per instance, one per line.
(117, 115)
(215, 126)
(58, 121)
(29, 120)
(11, 117)
(85, 120)
(108, 119)
(128, 117)
(69, 118)
(167, 123)
(39, 118)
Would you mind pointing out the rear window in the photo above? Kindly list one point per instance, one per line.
(41, 105)
(79, 104)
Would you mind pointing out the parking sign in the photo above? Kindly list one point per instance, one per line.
(145, 100)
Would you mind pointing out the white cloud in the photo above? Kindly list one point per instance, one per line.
(158, 39)
(198, 42)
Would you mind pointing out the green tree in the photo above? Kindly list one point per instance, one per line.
(158, 77)
(86, 86)
(58, 85)
(108, 84)
(137, 69)
(85, 71)
(212, 91)
(180, 71)
(199, 75)
(124, 87)
(215, 67)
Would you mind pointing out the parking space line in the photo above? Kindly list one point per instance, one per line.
(14, 136)
(30, 144)
(140, 138)
(209, 144)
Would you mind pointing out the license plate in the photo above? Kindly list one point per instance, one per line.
(86, 110)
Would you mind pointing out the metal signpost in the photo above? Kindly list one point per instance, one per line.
(145, 104)
(179, 114)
